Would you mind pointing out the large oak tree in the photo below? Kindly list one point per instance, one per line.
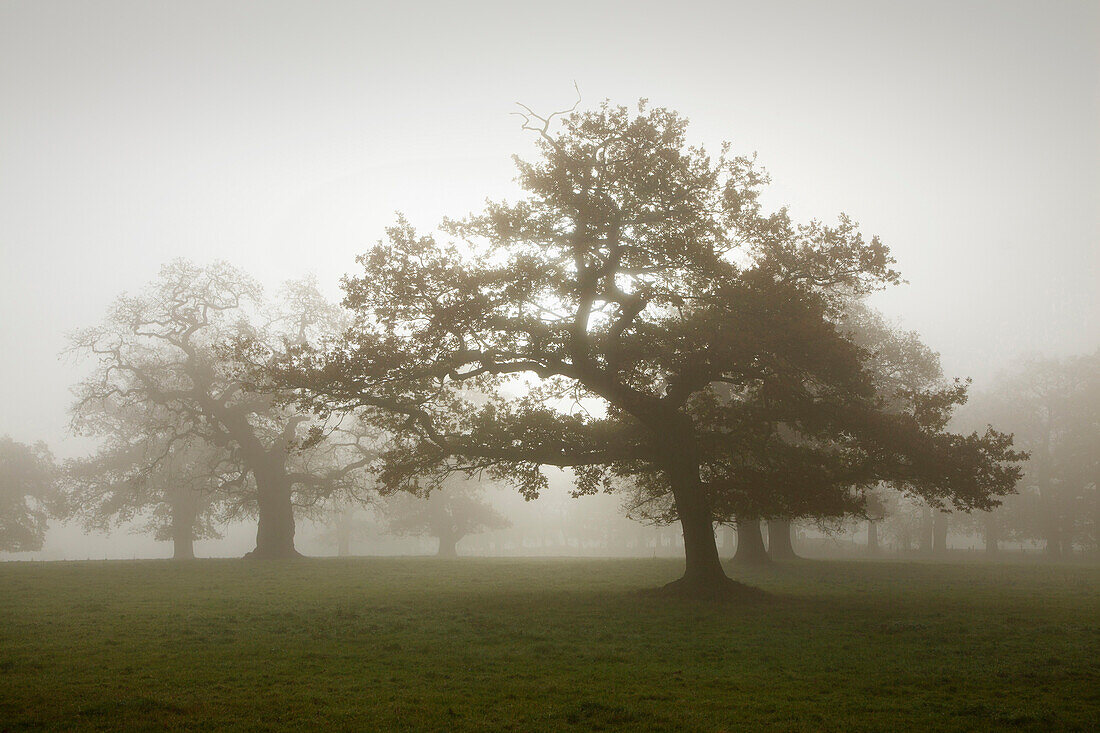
(639, 317)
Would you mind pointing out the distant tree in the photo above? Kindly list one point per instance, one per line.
(903, 368)
(750, 543)
(149, 470)
(176, 349)
(27, 476)
(902, 522)
(878, 504)
(1053, 408)
(672, 334)
(344, 522)
(456, 509)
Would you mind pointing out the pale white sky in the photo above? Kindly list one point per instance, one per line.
(283, 136)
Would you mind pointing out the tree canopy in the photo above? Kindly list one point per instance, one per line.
(639, 316)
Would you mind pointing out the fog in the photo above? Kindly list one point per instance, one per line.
(610, 366)
(283, 138)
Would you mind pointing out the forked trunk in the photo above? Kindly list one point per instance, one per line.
(872, 537)
(750, 544)
(780, 546)
(275, 526)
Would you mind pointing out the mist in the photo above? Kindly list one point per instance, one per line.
(472, 306)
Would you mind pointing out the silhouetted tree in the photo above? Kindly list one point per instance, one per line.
(780, 544)
(27, 476)
(694, 335)
(750, 544)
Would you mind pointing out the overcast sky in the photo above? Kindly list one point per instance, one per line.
(283, 136)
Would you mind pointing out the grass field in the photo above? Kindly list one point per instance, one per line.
(425, 644)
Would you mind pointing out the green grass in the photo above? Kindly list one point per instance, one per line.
(424, 644)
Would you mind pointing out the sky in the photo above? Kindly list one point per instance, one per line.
(283, 137)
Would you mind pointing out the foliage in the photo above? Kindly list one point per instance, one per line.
(173, 488)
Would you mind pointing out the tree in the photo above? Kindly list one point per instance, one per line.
(780, 544)
(1053, 407)
(27, 476)
(750, 543)
(344, 522)
(191, 348)
(456, 509)
(148, 469)
(662, 330)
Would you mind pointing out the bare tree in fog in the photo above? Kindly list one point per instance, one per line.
(27, 476)
(674, 334)
(191, 347)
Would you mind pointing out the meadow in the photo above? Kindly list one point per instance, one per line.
(521, 644)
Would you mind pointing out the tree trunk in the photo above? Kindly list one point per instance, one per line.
(750, 544)
(343, 524)
(939, 534)
(184, 511)
(780, 546)
(989, 534)
(183, 543)
(703, 573)
(448, 544)
(872, 537)
(926, 531)
(1054, 548)
(275, 528)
